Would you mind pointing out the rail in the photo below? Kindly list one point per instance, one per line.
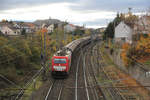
(50, 89)
(55, 84)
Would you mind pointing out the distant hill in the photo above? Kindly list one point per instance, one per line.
(47, 21)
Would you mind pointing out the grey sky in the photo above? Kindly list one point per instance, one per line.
(114, 5)
(80, 6)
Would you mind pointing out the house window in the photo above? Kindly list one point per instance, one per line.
(123, 39)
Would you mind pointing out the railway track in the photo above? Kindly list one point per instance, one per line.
(76, 79)
(92, 68)
(91, 78)
(81, 90)
(89, 81)
(116, 93)
(55, 90)
(59, 87)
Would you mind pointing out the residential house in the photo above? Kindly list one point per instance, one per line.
(33, 27)
(142, 26)
(69, 28)
(44, 26)
(123, 33)
(23, 26)
(130, 32)
(9, 30)
(51, 28)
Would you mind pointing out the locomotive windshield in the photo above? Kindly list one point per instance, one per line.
(60, 61)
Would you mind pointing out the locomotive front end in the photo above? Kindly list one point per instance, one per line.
(60, 65)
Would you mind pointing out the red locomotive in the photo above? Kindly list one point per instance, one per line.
(61, 63)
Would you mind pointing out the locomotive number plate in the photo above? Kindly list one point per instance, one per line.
(59, 68)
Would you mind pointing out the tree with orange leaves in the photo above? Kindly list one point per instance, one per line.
(142, 48)
(139, 51)
(125, 48)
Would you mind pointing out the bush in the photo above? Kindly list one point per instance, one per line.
(124, 54)
(139, 51)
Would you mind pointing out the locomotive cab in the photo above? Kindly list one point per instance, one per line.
(60, 65)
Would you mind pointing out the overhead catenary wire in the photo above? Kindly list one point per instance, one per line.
(11, 82)
(89, 86)
(19, 95)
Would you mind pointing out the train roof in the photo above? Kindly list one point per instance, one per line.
(63, 52)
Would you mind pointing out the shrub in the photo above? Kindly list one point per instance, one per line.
(124, 54)
(139, 51)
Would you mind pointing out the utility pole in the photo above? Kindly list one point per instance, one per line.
(44, 53)
(43, 56)
(57, 39)
(65, 37)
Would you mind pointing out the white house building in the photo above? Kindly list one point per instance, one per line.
(50, 28)
(7, 30)
(25, 27)
(123, 33)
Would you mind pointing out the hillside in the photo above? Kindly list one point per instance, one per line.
(47, 21)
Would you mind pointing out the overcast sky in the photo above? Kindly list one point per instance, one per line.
(92, 13)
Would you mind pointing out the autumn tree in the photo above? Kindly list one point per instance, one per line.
(4, 20)
(130, 20)
(124, 54)
(109, 32)
(139, 52)
(142, 49)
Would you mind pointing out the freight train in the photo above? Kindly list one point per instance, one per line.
(61, 61)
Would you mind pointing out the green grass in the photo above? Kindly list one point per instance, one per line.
(105, 56)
